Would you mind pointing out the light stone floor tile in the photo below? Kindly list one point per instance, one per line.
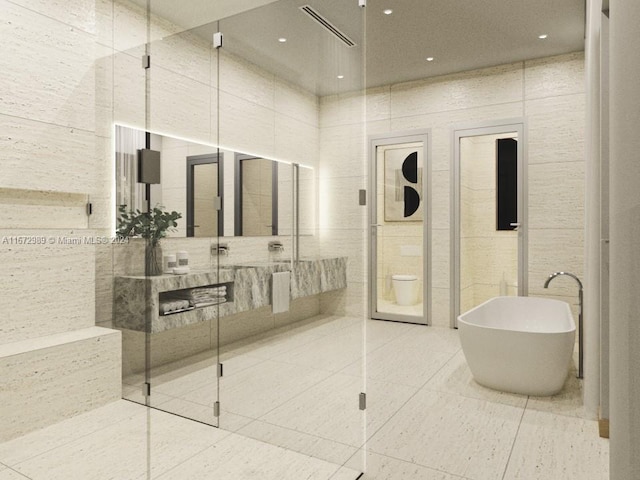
(56, 435)
(442, 339)
(123, 450)
(397, 363)
(238, 457)
(329, 353)
(255, 391)
(309, 422)
(330, 409)
(567, 402)
(558, 447)
(300, 442)
(187, 379)
(379, 467)
(284, 342)
(133, 393)
(8, 474)
(455, 378)
(462, 436)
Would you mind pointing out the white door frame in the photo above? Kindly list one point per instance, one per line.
(392, 138)
(477, 129)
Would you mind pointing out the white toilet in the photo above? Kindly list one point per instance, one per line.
(405, 288)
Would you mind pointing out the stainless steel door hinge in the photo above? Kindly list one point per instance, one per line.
(220, 370)
(362, 399)
(362, 197)
(146, 61)
(217, 40)
(216, 409)
(146, 389)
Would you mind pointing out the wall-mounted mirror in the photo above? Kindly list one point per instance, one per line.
(256, 199)
(256, 194)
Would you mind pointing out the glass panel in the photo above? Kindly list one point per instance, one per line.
(185, 301)
(488, 241)
(122, 96)
(294, 334)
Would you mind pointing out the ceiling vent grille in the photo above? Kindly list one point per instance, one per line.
(327, 25)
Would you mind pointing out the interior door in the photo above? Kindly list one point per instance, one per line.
(400, 229)
(489, 211)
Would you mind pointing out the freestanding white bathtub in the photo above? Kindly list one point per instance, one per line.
(519, 344)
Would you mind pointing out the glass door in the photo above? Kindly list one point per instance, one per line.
(400, 289)
(184, 302)
(291, 361)
(489, 215)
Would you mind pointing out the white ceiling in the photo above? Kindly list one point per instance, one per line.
(460, 34)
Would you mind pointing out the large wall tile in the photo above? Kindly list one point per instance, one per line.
(128, 91)
(553, 76)
(339, 207)
(104, 284)
(556, 195)
(556, 129)
(343, 109)
(296, 141)
(246, 81)
(180, 106)
(20, 209)
(440, 306)
(554, 250)
(42, 156)
(81, 15)
(129, 27)
(104, 74)
(104, 22)
(246, 126)
(296, 103)
(495, 85)
(186, 54)
(48, 288)
(55, 81)
(378, 104)
(342, 151)
(440, 258)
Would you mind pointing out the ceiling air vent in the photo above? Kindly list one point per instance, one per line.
(327, 25)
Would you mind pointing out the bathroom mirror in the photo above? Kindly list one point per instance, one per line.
(256, 193)
(256, 199)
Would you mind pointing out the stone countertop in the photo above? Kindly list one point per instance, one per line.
(249, 289)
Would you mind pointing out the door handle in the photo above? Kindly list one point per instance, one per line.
(516, 225)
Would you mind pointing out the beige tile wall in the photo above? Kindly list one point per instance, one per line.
(548, 92)
(257, 114)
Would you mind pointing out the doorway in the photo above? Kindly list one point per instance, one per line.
(400, 228)
(488, 215)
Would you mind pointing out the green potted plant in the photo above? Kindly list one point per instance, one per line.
(152, 226)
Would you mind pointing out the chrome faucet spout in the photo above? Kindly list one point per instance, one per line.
(557, 274)
(580, 318)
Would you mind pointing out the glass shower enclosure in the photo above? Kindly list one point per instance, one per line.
(253, 337)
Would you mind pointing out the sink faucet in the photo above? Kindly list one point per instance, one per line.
(580, 328)
(276, 246)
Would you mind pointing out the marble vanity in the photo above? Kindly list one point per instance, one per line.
(248, 286)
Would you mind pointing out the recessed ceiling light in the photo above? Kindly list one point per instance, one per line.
(543, 36)
(340, 77)
(387, 11)
(282, 39)
(429, 59)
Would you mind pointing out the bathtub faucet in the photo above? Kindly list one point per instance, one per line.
(580, 330)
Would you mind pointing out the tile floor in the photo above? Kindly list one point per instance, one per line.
(289, 411)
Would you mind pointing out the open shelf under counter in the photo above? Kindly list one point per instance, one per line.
(137, 299)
